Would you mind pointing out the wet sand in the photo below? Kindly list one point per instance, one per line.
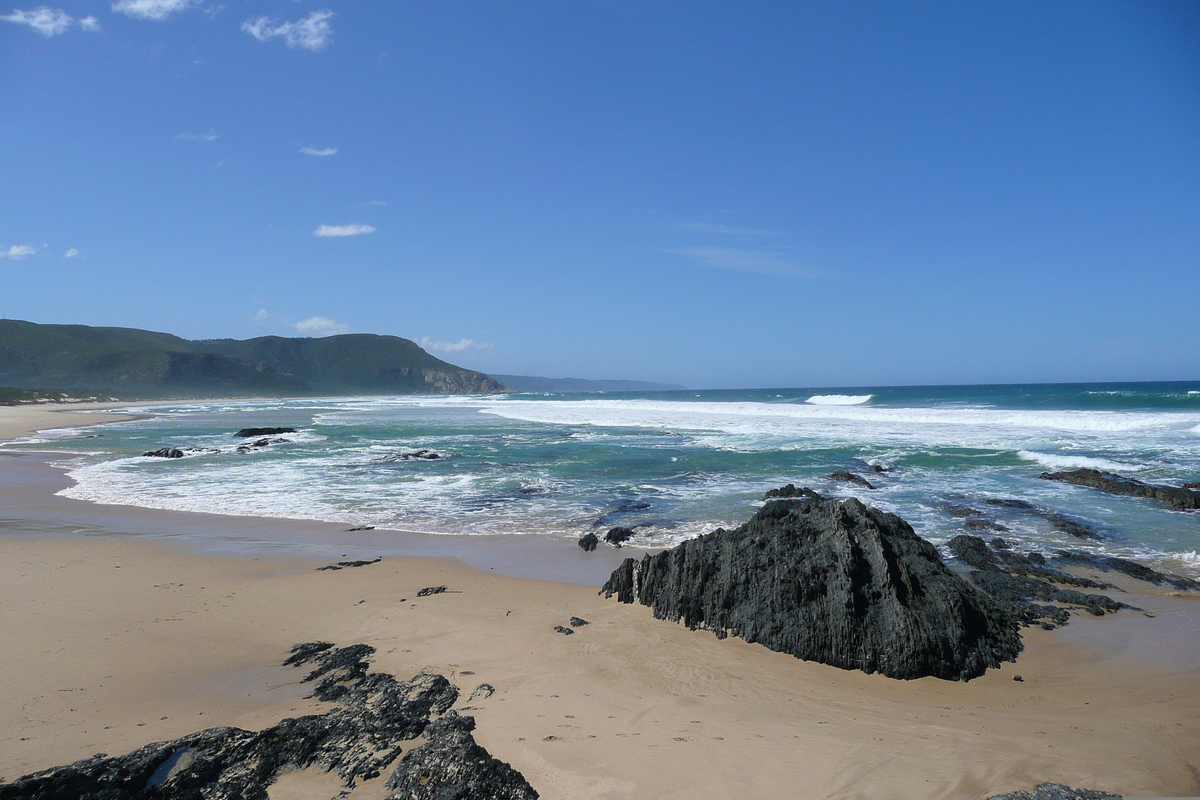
(125, 626)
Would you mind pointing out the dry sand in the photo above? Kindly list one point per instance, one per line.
(111, 642)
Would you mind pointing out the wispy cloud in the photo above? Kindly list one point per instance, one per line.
(72, 253)
(18, 252)
(320, 326)
(90, 24)
(756, 261)
(343, 230)
(46, 21)
(263, 316)
(722, 230)
(373, 204)
(314, 32)
(156, 10)
(453, 347)
(211, 136)
(312, 151)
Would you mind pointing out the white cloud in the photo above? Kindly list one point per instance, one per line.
(157, 10)
(314, 32)
(72, 253)
(722, 230)
(452, 347)
(343, 230)
(46, 21)
(263, 316)
(211, 136)
(18, 252)
(373, 204)
(90, 24)
(755, 261)
(312, 151)
(320, 326)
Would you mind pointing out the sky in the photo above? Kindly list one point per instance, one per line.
(720, 195)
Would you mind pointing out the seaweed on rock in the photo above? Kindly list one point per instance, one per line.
(831, 581)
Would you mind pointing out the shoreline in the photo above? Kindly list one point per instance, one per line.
(192, 637)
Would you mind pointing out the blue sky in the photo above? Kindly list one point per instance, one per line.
(714, 194)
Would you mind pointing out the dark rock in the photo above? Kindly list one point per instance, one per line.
(1067, 525)
(1178, 498)
(345, 564)
(164, 452)
(1018, 679)
(971, 550)
(791, 491)
(836, 582)
(563, 630)
(980, 524)
(431, 590)
(1126, 567)
(250, 433)
(1195, 485)
(1016, 590)
(999, 544)
(877, 468)
(357, 739)
(412, 455)
(1008, 503)
(578, 622)
(589, 541)
(452, 766)
(482, 692)
(617, 536)
(962, 512)
(361, 528)
(1056, 791)
(627, 507)
(850, 477)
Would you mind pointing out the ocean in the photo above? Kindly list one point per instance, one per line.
(670, 465)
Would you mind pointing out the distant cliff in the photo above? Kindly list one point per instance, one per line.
(529, 383)
(147, 363)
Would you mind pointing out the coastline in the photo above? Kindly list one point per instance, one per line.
(107, 658)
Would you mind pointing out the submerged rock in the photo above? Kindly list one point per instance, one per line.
(1126, 567)
(411, 455)
(1178, 498)
(629, 506)
(358, 739)
(452, 766)
(850, 477)
(164, 452)
(1056, 791)
(589, 541)
(831, 581)
(250, 433)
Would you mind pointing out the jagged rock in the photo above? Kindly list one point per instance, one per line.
(250, 433)
(617, 536)
(962, 512)
(357, 739)
(850, 477)
(791, 491)
(431, 590)
(452, 766)
(589, 541)
(578, 622)
(164, 452)
(831, 581)
(565, 631)
(345, 564)
(1056, 791)
(412, 455)
(482, 692)
(1178, 498)
(1126, 567)
(971, 550)
(980, 524)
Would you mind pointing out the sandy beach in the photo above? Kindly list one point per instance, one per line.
(128, 626)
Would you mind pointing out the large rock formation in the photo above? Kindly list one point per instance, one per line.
(358, 739)
(836, 582)
(1056, 791)
(1178, 498)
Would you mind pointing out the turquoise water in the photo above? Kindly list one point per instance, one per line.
(674, 464)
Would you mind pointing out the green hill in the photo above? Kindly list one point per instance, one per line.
(150, 364)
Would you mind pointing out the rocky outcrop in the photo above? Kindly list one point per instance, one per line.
(1178, 498)
(1056, 791)
(850, 477)
(451, 766)
(589, 541)
(1060, 522)
(618, 536)
(164, 452)
(250, 433)
(1016, 580)
(412, 455)
(790, 491)
(349, 564)
(831, 581)
(358, 739)
(1126, 567)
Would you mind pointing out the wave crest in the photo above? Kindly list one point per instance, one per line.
(839, 399)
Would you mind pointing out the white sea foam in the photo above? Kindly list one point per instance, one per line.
(1077, 462)
(1193, 392)
(838, 399)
